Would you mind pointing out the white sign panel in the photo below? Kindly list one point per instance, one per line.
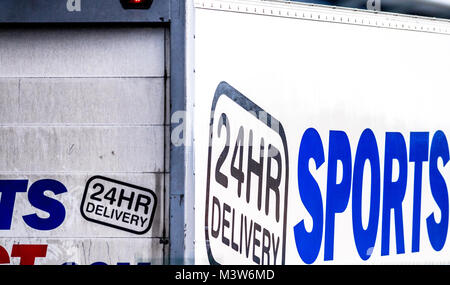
(319, 141)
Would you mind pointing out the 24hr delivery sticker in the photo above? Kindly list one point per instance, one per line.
(119, 205)
(247, 180)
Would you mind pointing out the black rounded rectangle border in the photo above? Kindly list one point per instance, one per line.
(224, 89)
(152, 214)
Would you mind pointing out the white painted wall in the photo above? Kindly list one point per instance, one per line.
(80, 102)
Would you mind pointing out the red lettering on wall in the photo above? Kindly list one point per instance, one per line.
(4, 256)
(28, 252)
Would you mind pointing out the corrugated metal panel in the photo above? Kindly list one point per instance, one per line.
(82, 148)
(81, 251)
(73, 101)
(77, 103)
(103, 52)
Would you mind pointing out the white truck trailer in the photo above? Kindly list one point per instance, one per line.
(222, 132)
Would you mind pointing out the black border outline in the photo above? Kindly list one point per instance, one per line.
(125, 184)
(225, 89)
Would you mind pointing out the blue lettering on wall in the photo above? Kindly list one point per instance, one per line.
(337, 193)
(308, 243)
(418, 153)
(437, 232)
(8, 189)
(40, 201)
(366, 150)
(392, 188)
(37, 198)
(394, 191)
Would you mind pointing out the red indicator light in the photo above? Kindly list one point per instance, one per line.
(136, 4)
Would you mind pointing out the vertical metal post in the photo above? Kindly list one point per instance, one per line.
(181, 156)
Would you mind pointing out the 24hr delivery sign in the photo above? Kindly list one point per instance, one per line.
(305, 157)
(246, 194)
(246, 204)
